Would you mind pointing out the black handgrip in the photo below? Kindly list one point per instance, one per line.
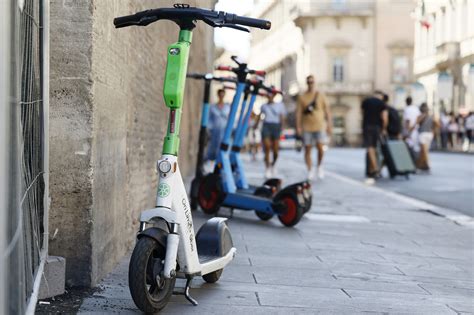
(251, 22)
(142, 18)
(128, 20)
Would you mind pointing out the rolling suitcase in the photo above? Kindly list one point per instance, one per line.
(397, 158)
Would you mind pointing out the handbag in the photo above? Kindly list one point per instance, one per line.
(311, 106)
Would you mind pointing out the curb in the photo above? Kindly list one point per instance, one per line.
(450, 214)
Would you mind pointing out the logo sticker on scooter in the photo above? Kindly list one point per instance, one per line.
(163, 190)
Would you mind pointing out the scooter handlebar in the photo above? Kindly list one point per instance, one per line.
(224, 68)
(258, 72)
(184, 16)
(273, 90)
(210, 76)
(251, 22)
(229, 87)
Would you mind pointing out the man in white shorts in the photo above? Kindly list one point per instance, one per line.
(410, 115)
(314, 124)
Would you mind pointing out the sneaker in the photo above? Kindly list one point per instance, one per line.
(311, 174)
(268, 173)
(369, 181)
(320, 172)
(273, 171)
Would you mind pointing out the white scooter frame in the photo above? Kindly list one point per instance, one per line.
(172, 206)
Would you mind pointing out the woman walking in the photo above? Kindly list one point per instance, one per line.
(218, 114)
(426, 129)
(274, 115)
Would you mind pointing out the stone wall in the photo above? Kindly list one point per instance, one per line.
(108, 120)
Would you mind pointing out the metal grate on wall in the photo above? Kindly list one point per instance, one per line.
(26, 221)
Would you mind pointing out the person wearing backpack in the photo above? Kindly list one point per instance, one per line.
(374, 126)
(274, 115)
(394, 128)
(313, 124)
(218, 114)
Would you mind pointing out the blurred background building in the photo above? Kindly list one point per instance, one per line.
(351, 46)
(444, 53)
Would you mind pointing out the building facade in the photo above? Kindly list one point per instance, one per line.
(352, 47)
(444, 53)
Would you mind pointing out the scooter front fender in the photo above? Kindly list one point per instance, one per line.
(159, 212)
(155, 233)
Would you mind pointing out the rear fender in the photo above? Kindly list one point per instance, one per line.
(213, 238)
(294, 191)
(273, 182)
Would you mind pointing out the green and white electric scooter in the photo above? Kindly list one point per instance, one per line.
(163, 254)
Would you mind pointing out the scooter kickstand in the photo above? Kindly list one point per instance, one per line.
(186, 292)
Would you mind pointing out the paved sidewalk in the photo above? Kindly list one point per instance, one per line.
(356, 251)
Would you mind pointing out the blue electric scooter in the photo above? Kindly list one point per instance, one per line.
(220, 189)
(203, 135)
(256, 87)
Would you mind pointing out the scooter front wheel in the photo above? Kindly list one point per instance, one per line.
(293, 212)
(149, 289)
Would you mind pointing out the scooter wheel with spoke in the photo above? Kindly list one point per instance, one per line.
(293, 212)
(266, 193)
(209, 195)
(150, 291)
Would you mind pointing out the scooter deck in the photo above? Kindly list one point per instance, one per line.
(245, 201)
(207, 258)
(246, 191)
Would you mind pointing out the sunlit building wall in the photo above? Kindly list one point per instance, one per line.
(352, 47)
(444, 53)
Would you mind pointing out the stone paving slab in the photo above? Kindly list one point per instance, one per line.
(369, 253)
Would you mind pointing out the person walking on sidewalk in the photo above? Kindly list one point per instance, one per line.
(427, 127)
(314, 124)
(444, 133)
(410, 115)
(374, 125)
(253, 136)
(394, 127)
(274, 115)
(218, 114)
(470, 130)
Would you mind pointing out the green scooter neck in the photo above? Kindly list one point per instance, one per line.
(173, 88)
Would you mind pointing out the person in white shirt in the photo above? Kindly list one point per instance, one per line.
(410, 115)
(470, 130)
(274, 116)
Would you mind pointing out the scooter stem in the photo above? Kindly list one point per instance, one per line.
(173, 91)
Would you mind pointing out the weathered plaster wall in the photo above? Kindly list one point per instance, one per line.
(108, 120)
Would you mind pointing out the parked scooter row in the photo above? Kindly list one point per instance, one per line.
(166, 247)
(227, 186)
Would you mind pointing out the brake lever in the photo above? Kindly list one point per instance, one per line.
(237, 27)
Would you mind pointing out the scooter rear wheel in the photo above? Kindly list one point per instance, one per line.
(293, 212)
(209, 195)
(150, 291)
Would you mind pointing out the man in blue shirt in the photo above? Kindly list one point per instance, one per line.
(218, 115)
